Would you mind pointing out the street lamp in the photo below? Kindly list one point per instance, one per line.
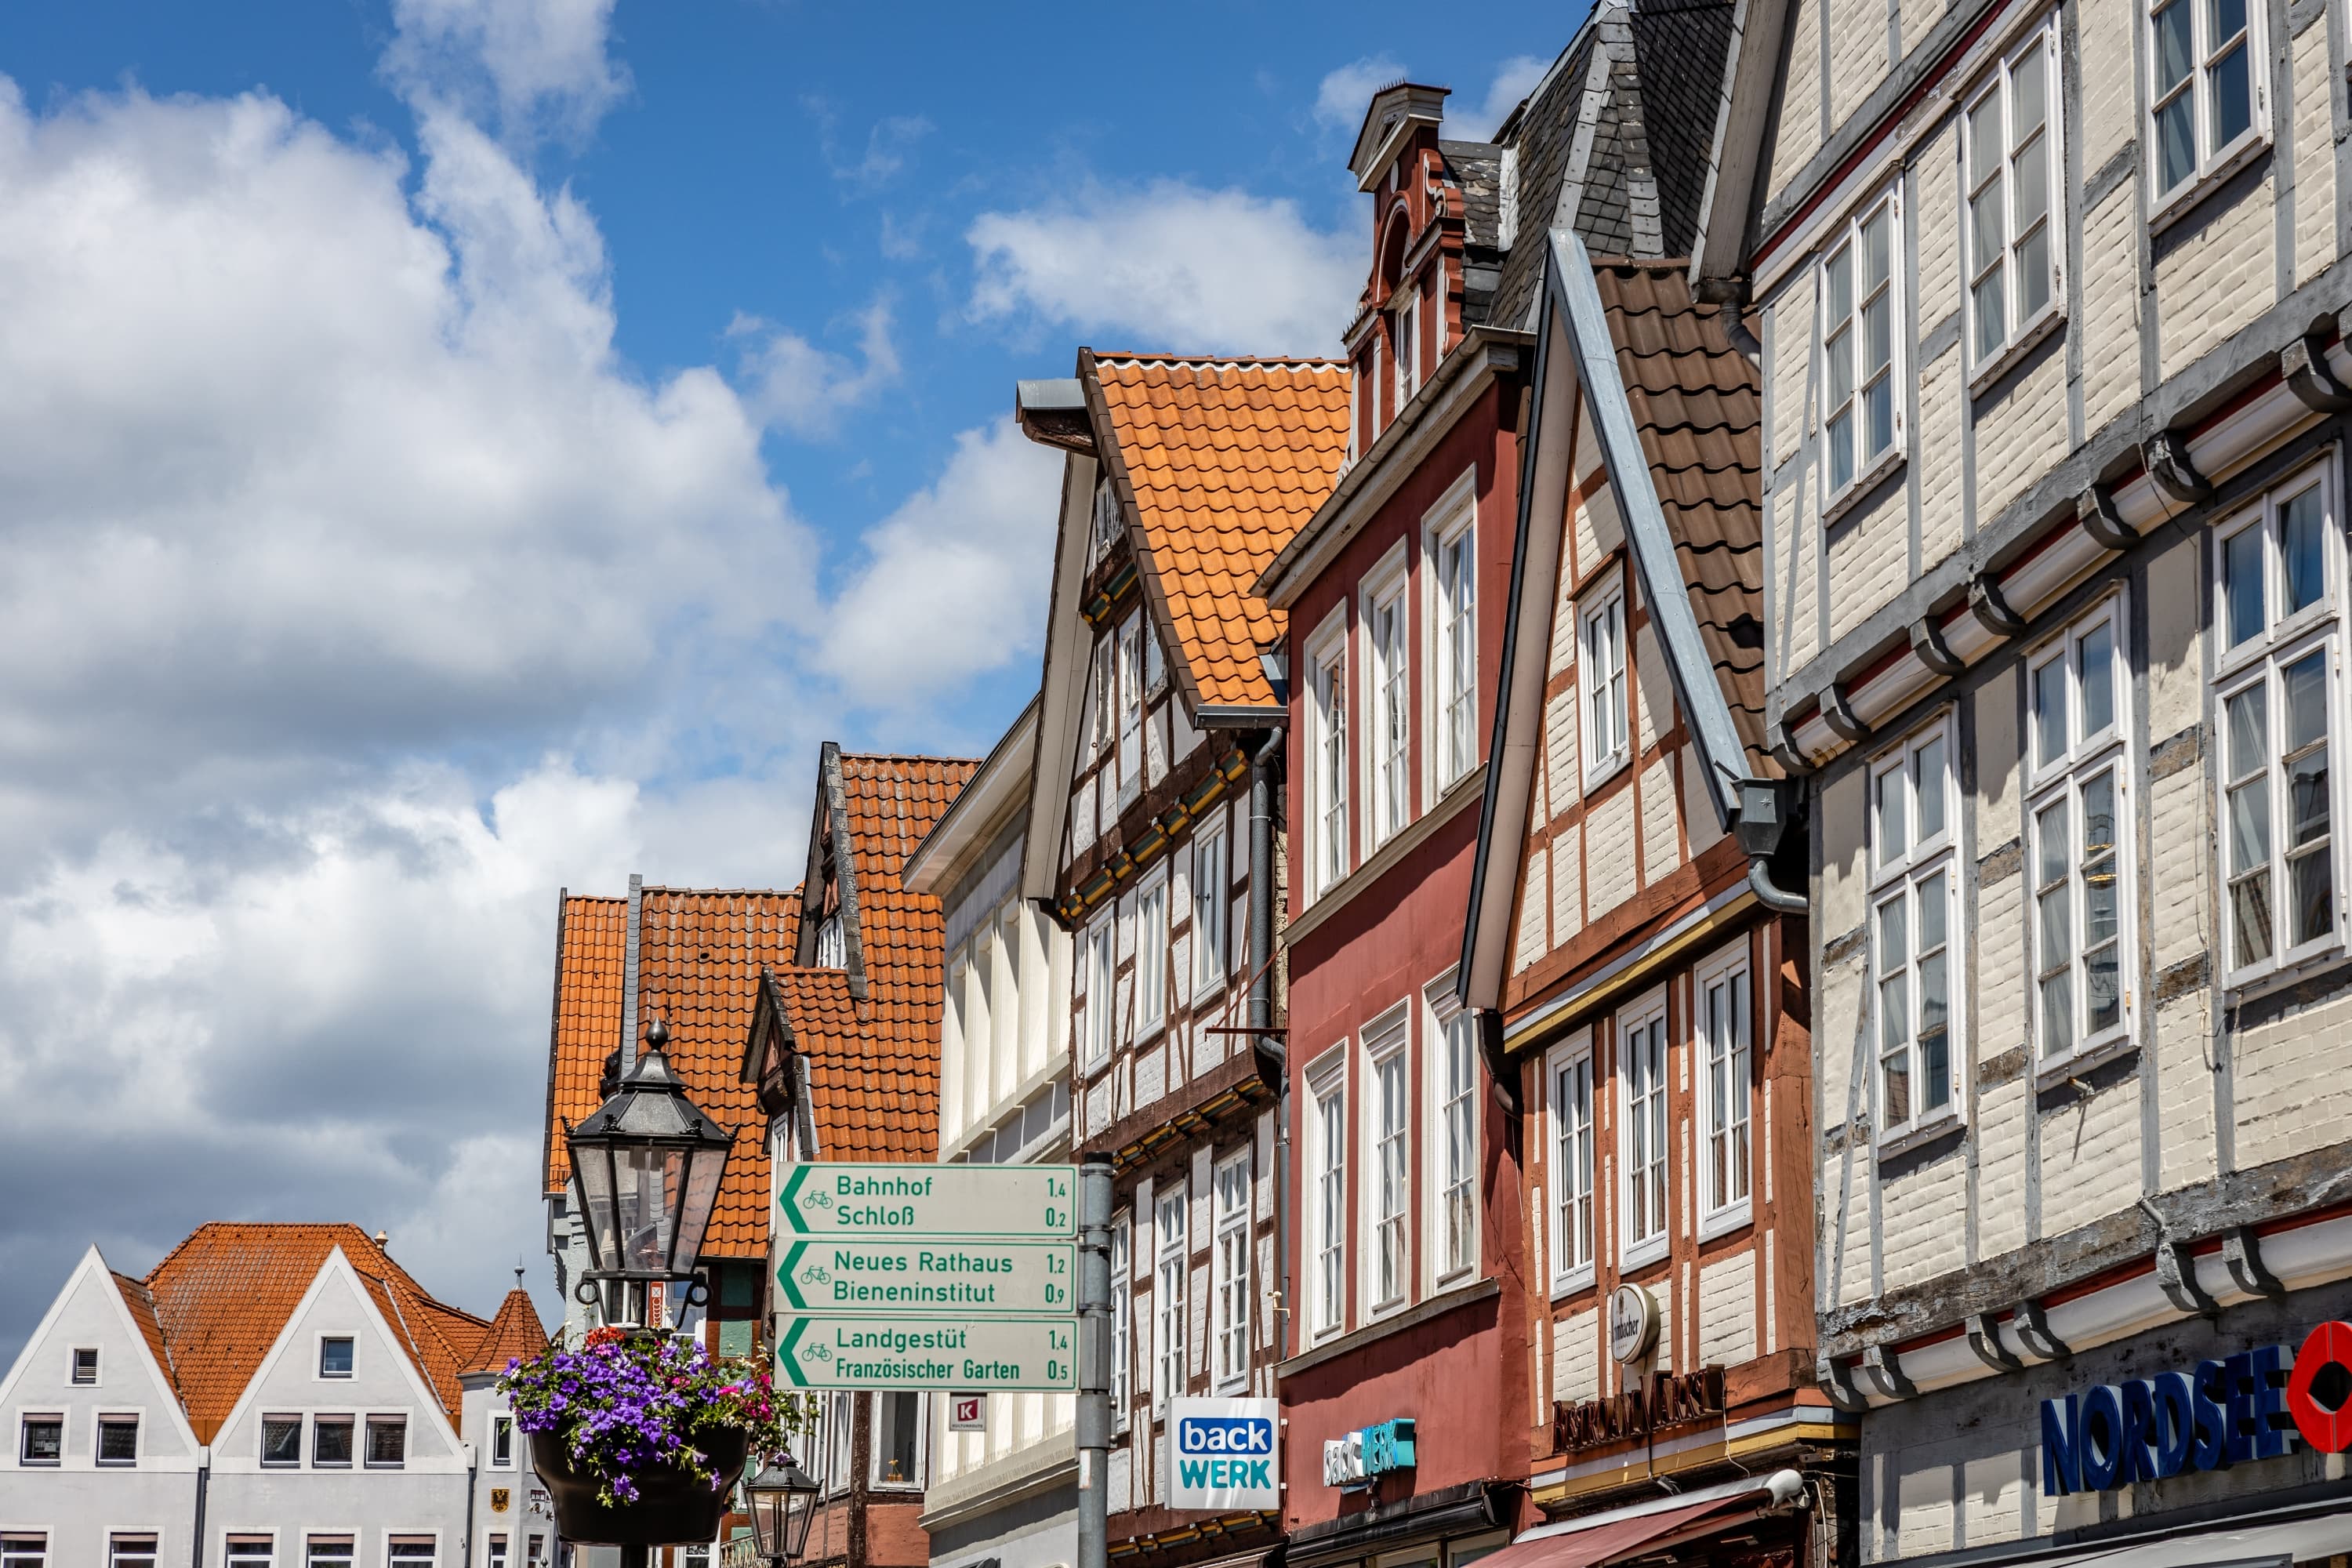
(783, 1506)
(645, 1171)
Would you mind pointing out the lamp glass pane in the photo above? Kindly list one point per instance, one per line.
(701, 1188)
(592, 1176)
(641, 1210)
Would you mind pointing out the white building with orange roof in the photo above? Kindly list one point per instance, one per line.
(267, 1396)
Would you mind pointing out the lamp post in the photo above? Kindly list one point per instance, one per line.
(783, 1499)
(644, 1173)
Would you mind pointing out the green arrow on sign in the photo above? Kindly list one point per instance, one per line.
(784, 1356)
(786, 1200)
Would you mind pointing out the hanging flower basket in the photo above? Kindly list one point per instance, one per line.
(639, 1438)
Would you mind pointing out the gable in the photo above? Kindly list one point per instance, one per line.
(99, 1310)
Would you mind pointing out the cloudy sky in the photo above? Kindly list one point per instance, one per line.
(453, 449)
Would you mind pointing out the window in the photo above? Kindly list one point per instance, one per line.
(1912, 926)
(2080, 802)
(253, 1551)
(1122, 1314)
(1105, 521)
(897, 1432)
(1455, 1145)
(2276, 690)
(1390, 1095)
(1328, 1149)
(409, 1552)
(327, 1552)
(388, 1440)
(1151, 956)
(1571, 1168)
(85, 1367)
(1602, 621)
(1724, 1021)
(130, 1552)
(43, 1441)
(331, 1441)
(24, 1550)
(1102, 989)
(2012, 169)
(502, 1441)
(1231, 1262)
(1329, 777)
(1859, 407)
(1104, 682)
(1455, 582)
(1389, 664)
(832, 946)
(498, 1552)
(335, 1356)
(1406, 345)
(1168, 1296)
(118, 1439)
(1213, 909)
(533, 1549)
(1642, 1065)
(281, 1439)
(1130, 707)
(2203, 94)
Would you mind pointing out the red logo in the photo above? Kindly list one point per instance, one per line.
(2319, 1392)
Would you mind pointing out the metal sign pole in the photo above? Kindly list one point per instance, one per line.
(1095, 1285)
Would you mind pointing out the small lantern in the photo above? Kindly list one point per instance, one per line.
(783, 1499)
(645, 1170)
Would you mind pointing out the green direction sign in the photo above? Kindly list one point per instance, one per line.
(961, 1278)
(1020, 1203)
(875, 1351)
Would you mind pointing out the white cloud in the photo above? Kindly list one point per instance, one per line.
(537, 65)
(1342, 95)
(792, 385)
(1170, 266)
(1514, 79)
(955, 581)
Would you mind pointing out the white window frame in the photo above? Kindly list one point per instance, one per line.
(1229, 1262)
(73, 1367)
(1171, 1265)
(1327, 1206)
(24, 1548)
(1099, 952)
(2058, 784)
(133, 1548)
(1385, 603)
(2263, 659)
(1453, 1095)
(1330, 850)
(1997, 95)
(1388, 1142)
(1405, 326)
(875, 1457)
(1106, 522)
(1151, 955)
(104, 1418)
(1575, 1163)
(319, 1373)
(1212, 907)
(1653, 1167)
(387, 1419)
(2213, 163)
(1130, 706)
(1450, 538)
(1122, 1318)
(502, 1426)
(1726, 1116)
(355, 1438)
(1868, 467)
(1910, 875)
(1605, 682)
(301, 1434)
(1102, 682)
(25, 1421)
(249, 1539)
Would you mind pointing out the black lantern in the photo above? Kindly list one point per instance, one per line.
(644, 1172)
(784, 1499)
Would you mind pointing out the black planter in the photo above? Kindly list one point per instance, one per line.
(674, 1507)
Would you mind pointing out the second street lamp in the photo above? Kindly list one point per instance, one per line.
(783, 1501)
(645, 1170)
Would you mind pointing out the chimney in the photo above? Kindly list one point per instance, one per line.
(381, 1240)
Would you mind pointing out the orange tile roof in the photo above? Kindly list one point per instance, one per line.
(1224, 461)
(222, 1297)
(592, 935)
(515, 1334)
(893, 801)
(141, 1303)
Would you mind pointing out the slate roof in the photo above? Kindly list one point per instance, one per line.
(1222, 460)
(1477, 168)
(220, 1299)
(1700, 413)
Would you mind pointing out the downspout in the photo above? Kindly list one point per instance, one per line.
(473, 1463)
(1270, 1047)
(204, 1485)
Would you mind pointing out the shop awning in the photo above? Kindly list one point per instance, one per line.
(1607, 1537)
(2304, 1540)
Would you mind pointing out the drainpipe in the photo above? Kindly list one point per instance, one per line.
(1264, 759)
(204, 1485)
(473, 1463)
(1766, 809)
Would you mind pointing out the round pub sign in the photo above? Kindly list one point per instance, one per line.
(1633, 1323)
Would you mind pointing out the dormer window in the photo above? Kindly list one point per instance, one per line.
(1106, 523)
(832, 951)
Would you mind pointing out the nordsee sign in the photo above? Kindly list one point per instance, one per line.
(2256, 1404)
(1221, 1454)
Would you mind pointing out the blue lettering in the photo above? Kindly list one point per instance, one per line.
(2060, 1473)
(2173, 1405)
(2275, 1430)
(2211, 1449)
(2098, 1438)
(2238, 1385)
(1193, 1472)
(2133, 1461)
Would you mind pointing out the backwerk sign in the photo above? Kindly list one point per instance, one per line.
(2255, 1404)
(1221, 1455)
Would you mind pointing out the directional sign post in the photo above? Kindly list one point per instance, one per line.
(868, 1202)
(829, 1350)
(953, 1279)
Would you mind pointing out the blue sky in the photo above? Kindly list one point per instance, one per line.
(458, 448)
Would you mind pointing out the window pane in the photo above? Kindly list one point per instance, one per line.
(2032, 183)
(281, 1440)
(2034, 271)
(1987, 237)
(2250, 827)
(2058, 1012)
(2176, 136)
(2097, 661)
(1893, 1002)
(1928, 769)
(2173, 46)
(2300, 549)
(387, 1442)
(1993, 321)
(2311, 894)
(1878, 408)
(2226, 19)
(1935, 1035)
(118, 1441)
(1873, 249)
(2050, 711)
(2306, 700)
(2250, 912)
(2099, 861)
(2248, 720)
(1841, 367)
(1841, 287)
(330, 1443)
(1842, 450)
(335, 1358)
(1935, 914)
(2233, 102)
(2103, 999)
(1985, 139)
(2242, 583)
(2027, 94)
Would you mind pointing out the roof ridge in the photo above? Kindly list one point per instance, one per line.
(1236, 361)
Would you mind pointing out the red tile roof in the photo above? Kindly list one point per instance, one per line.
(893, 801)
(590, 940)
(221, 1297)
(515, 1334)
(1225, 459)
